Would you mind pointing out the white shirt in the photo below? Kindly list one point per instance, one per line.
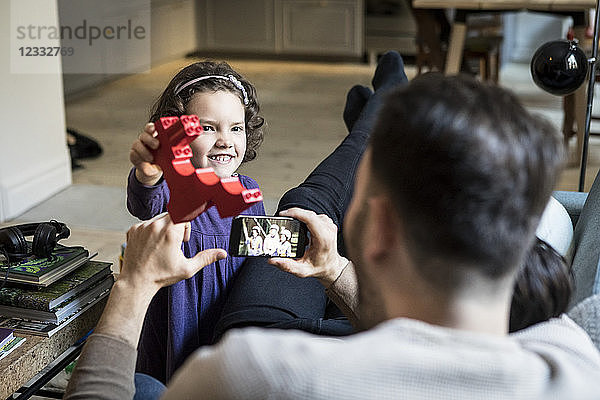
(399, 359)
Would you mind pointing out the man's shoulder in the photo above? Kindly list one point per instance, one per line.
(260, 344)
(247, 363)
(560, 338)
(559, 335)
(431, 351)
(394, 359)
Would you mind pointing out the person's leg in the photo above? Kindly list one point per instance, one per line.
(262, 295)
(147, 387)
(152, 346)
(328, 189)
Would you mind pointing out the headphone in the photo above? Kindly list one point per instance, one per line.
(45, 236)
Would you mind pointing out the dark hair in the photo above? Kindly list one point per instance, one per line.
(543, 287)
(470, 171)
(171, 104)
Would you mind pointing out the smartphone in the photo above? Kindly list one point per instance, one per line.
(264, 236)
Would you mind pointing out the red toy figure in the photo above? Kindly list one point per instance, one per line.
(195, 190)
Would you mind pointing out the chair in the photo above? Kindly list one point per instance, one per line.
(389, 25)
(484, 38)
(483, 42)
(432, 36)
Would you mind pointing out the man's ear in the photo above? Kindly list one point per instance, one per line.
(382, 229)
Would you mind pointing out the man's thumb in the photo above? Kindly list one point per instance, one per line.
(209, 256)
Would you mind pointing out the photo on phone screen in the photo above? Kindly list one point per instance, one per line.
(262, 236)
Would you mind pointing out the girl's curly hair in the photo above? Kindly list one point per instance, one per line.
(171, 104)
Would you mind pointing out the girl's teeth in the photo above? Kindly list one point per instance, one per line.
(221, 158)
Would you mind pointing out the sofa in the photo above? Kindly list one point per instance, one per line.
(583, 254)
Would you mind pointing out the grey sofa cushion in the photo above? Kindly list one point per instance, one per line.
(572, 201)
(585, 248)
(587, 315)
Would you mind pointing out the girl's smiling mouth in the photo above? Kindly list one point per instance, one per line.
(221, 158)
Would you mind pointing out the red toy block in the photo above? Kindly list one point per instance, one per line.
(193, 191)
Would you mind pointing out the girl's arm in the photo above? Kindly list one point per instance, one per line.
(145, 202)
(147, 193)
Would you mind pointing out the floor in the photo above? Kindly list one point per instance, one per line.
(302, 103)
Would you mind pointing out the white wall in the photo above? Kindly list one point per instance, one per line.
(525, 32)
(34, 159)
(172, 29)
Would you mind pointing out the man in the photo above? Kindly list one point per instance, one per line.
(447, 199)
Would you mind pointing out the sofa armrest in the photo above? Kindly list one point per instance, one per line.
(572, 201)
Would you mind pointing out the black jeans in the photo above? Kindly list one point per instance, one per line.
(263, 295)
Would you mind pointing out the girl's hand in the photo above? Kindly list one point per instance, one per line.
(142, 159)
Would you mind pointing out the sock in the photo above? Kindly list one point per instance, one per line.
(389, 72)
(355, 101)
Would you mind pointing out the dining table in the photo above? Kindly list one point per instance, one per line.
(576, 103)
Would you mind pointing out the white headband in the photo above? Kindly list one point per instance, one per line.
(229, 78)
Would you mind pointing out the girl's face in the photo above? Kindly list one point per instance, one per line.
(222, 144)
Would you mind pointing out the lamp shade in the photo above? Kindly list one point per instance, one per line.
(559, 67)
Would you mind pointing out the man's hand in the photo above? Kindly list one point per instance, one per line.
(321, 260)
(153, 257)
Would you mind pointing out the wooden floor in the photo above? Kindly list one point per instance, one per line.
(302, 103)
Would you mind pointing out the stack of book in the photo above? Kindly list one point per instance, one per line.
(8, 342)
(42, 295)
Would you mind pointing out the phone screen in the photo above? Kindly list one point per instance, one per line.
(262, 236)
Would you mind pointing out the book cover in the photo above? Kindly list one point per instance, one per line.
(13, 344)
(6, 335)
(63, 310)
(47, 298)
(43, 271)
(46, 329)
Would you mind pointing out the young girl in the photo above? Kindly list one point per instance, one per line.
(182, 317)
(255, 242)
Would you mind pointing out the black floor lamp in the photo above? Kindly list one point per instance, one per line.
(560, 67)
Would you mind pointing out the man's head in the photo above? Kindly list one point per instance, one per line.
(466, 171)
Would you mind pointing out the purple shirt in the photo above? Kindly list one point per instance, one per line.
(182, 317)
